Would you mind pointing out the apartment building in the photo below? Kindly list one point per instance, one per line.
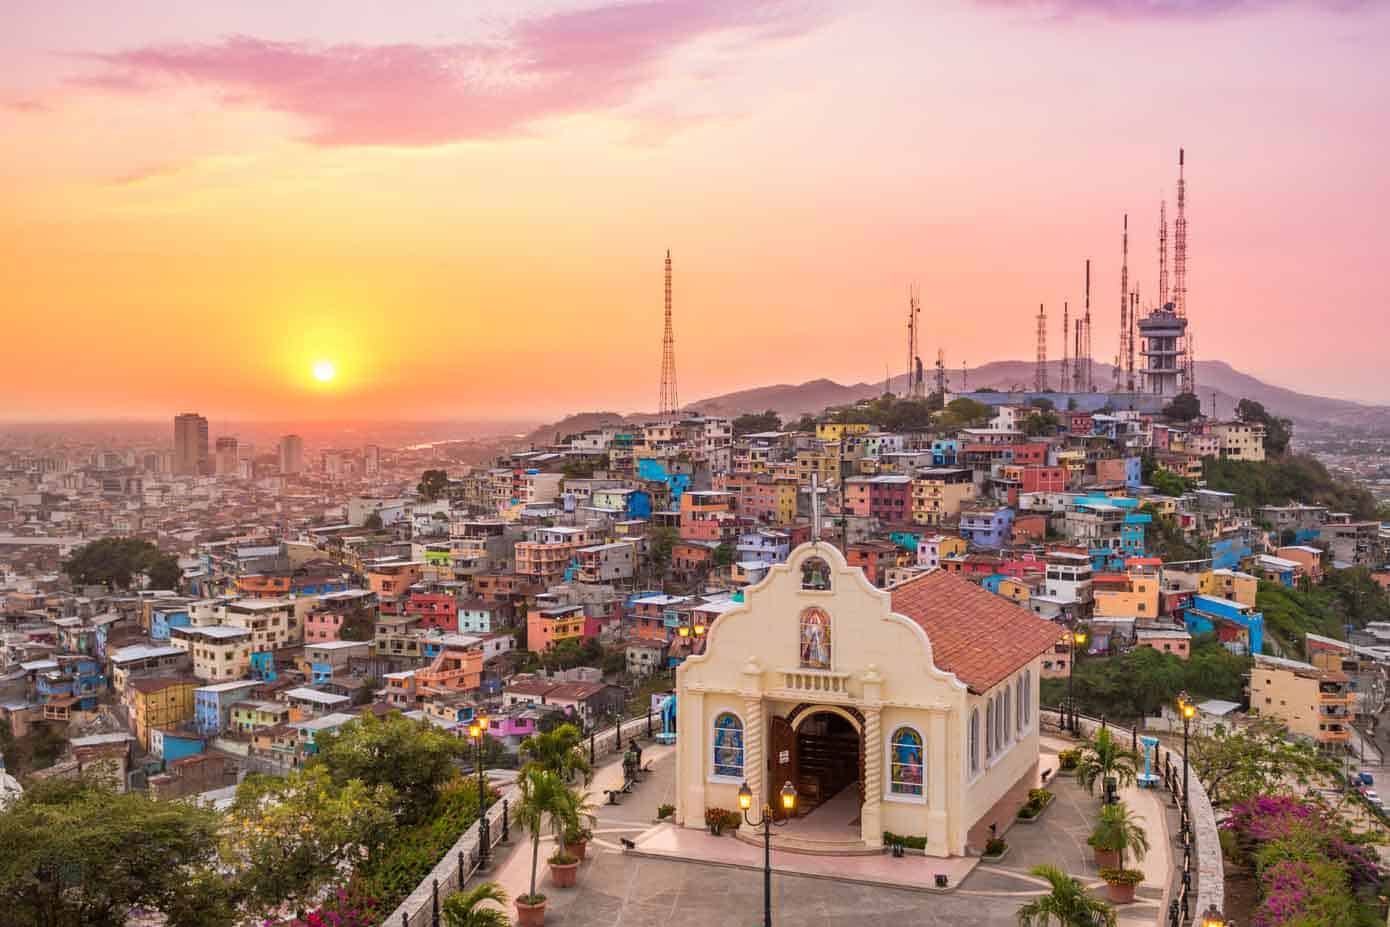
(1311, 702)
(938, 494)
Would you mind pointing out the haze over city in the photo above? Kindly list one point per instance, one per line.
(462, 208)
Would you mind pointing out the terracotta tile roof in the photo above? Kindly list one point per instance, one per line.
(981, 637)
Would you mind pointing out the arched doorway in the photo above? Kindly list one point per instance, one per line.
(820, 749)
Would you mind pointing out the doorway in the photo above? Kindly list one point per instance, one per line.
(829, 762)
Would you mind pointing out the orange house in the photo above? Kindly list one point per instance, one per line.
(263, 585)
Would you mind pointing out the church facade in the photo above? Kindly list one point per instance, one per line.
(917, 705)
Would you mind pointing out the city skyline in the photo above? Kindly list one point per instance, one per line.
(479, 230)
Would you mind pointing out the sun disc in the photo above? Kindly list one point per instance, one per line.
(323, 371)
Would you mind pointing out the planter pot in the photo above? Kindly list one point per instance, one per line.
(564, 875)
(1107, 859)
(577, 849)
(530, 915)
(1037, 817)
(996, 858)
(1119, 893)
(715, 830)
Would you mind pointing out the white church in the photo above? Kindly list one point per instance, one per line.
(912, 711)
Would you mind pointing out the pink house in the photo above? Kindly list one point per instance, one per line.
(320, 626)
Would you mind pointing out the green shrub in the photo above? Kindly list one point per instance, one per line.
(995, 846)
(664, 811)
(1068, 759)
(1122, 876)
(910, 843)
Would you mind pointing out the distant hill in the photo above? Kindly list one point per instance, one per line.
(1309, 412)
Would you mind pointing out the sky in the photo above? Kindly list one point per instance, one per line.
(464, 207)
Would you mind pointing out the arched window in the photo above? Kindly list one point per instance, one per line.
(1027, 697)
(906, 763)
(1005, 728)
(974, 745)
(989, 729)
(815, 638)
(728, 746)
(1018, 704)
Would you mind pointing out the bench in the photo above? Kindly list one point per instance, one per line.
(613, 795)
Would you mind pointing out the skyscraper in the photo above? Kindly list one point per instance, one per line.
(371, 460)
(291, 454)
(225, 456)
(190, 444)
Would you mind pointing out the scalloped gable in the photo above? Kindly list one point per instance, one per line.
(980, 637)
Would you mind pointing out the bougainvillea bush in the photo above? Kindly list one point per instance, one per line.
(1311, 871)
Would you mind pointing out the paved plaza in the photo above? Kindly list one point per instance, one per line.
(719, 881)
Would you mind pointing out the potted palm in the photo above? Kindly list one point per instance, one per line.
(466, 909)
(1105, 760)
(575, 837)
(544, 800)
(1117, 832)
(1068, 904)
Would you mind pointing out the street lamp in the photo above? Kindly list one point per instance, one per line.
(699, 630)
(683, 630)
(1212, 917)
(1075, 638)
(477, 728)
(745, 802)
(1188, 711)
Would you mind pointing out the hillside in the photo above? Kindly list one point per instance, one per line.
(793, 400)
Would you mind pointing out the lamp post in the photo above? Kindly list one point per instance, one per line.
(1074, 638)
(1189, 711)
(477, 728)
(1212, 917)
(766, 822)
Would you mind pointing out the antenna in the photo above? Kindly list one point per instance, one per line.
(916, 388)
(941, 374)
(1040, 375)
(1066, 352)
(1180, 273)
(669, 403)
(1078, 374)
(1162, 255)
(1125, 347)
(1088, 371)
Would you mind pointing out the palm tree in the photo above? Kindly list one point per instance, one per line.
(545, 799)
(1119, 828)
(558, 751)
(1104, 759)
(1067, 905)
(465, 909)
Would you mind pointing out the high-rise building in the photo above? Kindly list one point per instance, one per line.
(371, 460)
(291, 454)
(190, 444)
(225, 456)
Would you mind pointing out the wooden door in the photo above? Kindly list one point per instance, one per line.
(781, 762)
(861, 766)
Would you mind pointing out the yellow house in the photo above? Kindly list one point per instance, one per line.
(1133, 595)
(159, 701)
(1314, 703)
(938, 494)
(1230, 585)
(1015, 590)
(834, 431)
(912, 711)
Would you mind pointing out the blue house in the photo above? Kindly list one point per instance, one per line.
(1239, 627)
(76, 678)
(1227, 553)
(1133, 534)
(163, 619)
(212, 705)
(172, 746)
(655, 470)
(263, 666)
(987, 527)
(944, 452)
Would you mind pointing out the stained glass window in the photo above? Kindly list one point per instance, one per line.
(815, 639)
(728, 746)
(906, 766)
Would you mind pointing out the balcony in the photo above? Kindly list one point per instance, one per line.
(815, 682)
(1341, 735)
(1334, 697)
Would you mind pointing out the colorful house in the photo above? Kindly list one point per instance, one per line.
(212, 705)
(159, 702)
(1239, 627)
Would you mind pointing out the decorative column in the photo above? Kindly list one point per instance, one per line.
(871, 818)
(754, 730)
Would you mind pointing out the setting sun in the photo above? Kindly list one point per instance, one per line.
(323, 371)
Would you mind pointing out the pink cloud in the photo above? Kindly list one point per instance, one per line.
(1170, 9)
(420, 95)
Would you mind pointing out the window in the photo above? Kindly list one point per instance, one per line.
(974, 744)
(989, 729)
(1027, 697)
(1018, 704)
(1004, 737)
(728, 746)
(815, 639)
(906, 766)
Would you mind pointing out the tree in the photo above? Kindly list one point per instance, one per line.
(412, 758)
(557, 751)
(1167, 483)
(1104, 759)
(74, 853)
(1043, 424)
(373, 522)
(807, 422)
(287, 838)
(1240, 764)
(964, 413)
(466, 909)
(752, 423)
(433, 484)
(1120, 829)
(723, 556)
(1066, 905)
(1184, 408)
(660, 543)
(117, 561)
(544, 800)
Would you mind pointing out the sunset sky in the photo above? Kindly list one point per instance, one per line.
(463, 206)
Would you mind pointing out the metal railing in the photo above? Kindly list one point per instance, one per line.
(1201, 882)
(422, 906)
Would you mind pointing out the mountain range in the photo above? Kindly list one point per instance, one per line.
(1219, 385)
